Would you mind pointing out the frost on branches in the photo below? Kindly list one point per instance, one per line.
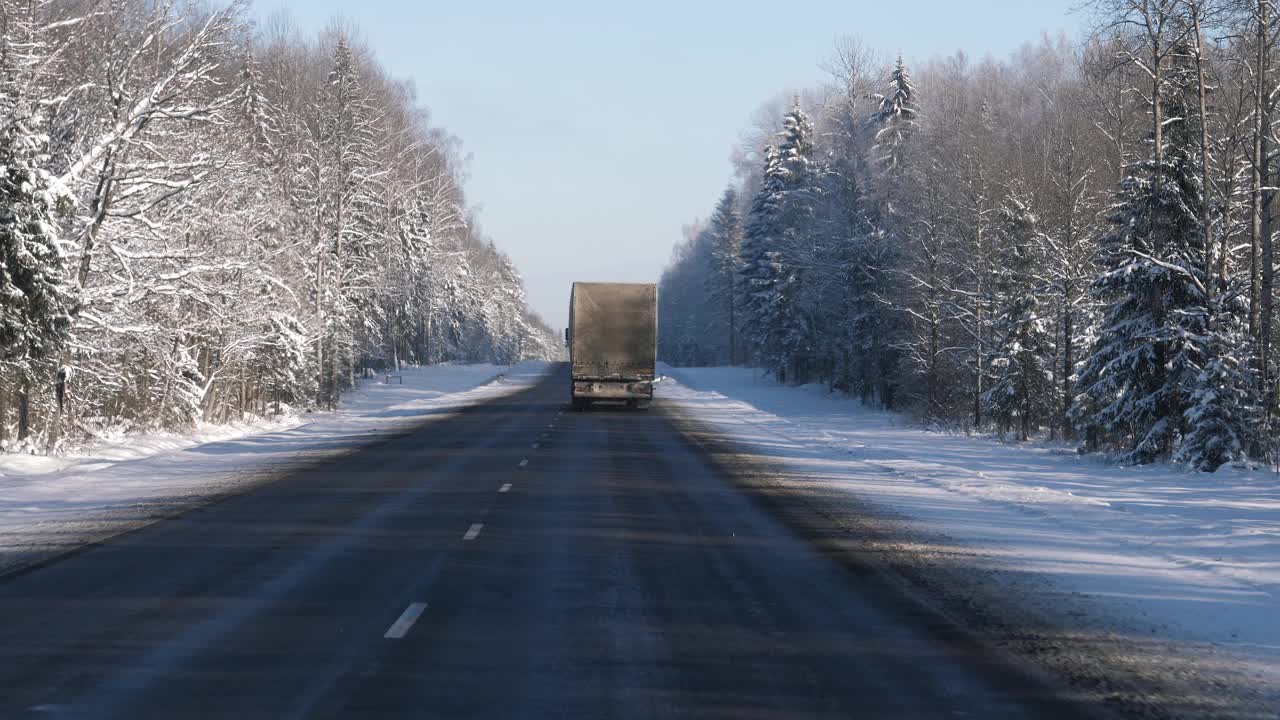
(200, 224)
(1075, 243)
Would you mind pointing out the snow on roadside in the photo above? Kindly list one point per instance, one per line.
(51, 504)
(1157, 553)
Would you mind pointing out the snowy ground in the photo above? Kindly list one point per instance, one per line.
(1158, 559)
(53, 504)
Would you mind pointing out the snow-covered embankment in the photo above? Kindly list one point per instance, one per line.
(49, 505)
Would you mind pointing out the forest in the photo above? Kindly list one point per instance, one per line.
(1073, 243)
(203, 219)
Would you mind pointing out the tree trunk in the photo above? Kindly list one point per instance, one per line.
(733, 327)
(1068, 364)
(1206, 230)
(981, 315)
(1268, 287)
(24, 410)
(426, 338)
(4, 416)
(1263, 197)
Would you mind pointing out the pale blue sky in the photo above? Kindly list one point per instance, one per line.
(597, 129)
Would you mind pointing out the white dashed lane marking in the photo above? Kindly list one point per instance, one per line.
(474, 531)
(524, 462)
(505, 487)
(406, 621)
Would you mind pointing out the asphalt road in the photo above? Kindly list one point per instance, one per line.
(518, 560)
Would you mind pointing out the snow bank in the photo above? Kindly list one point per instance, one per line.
(51, 504)
(1152, 555)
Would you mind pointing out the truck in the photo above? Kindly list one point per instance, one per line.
(613, 343)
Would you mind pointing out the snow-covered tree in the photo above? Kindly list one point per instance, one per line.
(34, 303)
(756, 274)
(1142, 369)
(948, 252)
(1021, 392)
(726, 250)
(34, 312)
(777, 244)
(1223, 412)
(204, 223)
(896, 117)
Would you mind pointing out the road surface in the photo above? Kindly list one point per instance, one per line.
(516, 561)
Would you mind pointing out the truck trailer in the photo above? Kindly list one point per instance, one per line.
(613, 342)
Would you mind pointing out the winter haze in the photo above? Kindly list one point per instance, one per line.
(597, 130)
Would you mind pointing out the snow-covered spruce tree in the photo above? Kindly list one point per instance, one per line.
(1225, 419)
(1224, 414)
(34, 301)
(759, 242)
(1142, 371)
(895, 120)
(1021, 393)
(891, 185)
(726, 249)
(777, 242)
(787, 321)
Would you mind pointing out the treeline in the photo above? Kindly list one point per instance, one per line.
(1077, 241)
(203, 220)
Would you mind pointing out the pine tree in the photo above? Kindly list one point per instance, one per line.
(892, 184)
(776, 242)
(896, 117)
(1137, 381)
(726, 240)
(759, 240)
(1224, 409)
(790, 321)
(1021, 393)
(34, 301)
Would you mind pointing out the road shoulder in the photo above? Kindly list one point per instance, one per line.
(45, 519)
